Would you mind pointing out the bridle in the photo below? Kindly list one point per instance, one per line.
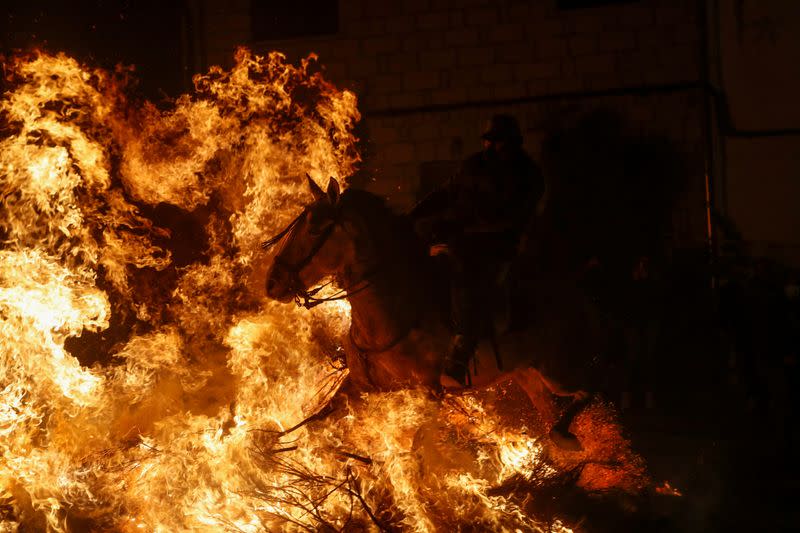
(308, 297)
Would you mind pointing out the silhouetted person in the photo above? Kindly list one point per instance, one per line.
(480, 217)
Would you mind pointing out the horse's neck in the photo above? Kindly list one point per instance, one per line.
(386, 309)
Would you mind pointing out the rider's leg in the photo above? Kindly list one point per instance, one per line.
(465, 340)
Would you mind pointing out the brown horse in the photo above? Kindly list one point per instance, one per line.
(398, 335)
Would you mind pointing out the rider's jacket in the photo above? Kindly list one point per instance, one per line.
(487, 204)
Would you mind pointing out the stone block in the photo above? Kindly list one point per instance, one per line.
(380, 45)
(415, 6)
(426, 131)
(510, 91)
(638, 60)
(652, 38)
(373, 101)
(518, 11)
(599, 82)
(616, 41)
(658, 76)
(397, 153)
(687, 32)
(381, 9)
(596, 64)
(386, 83)
(496, 74)
(683, 59)
(513, 53)
(464, 77)
(381, 134)
(461, 37)
(402, 62)
(400, 24)
(475, 56)
(569, 84)
(346, 49)
(435, 41)
(383, 183)
(364, 67)
(449, 96)
(408, 99)
(581, 45)
(402, 201)
(336, 71)
(433, 21)
(585, 21)
(630, 78)
(480, 16)
(415, 43)
(636, 16)
(422, 80)
(551, 47)
(545, 27)
(504, 33)
(438, 59)
(372, 27)
(542, 70)
(641, 113)
(672, 14)
(444, 149)
(425, 151)
(537, 87)
(350, 10)
(480, 93)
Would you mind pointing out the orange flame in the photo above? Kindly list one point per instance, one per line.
(187, 420)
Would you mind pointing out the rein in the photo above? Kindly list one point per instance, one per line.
(272, 241)
(308, 297)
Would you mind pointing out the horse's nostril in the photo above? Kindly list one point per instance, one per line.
(270, 285)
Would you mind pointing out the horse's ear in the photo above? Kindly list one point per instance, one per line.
(333, 190)
(316, 190)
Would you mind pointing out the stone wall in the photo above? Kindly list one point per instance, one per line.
(429, 73)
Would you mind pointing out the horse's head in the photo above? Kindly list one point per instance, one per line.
(314, 246)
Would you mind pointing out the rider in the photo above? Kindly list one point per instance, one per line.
(480, 217)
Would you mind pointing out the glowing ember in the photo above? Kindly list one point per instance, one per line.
(182, 412)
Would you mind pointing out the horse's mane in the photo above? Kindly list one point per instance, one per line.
(391, 236)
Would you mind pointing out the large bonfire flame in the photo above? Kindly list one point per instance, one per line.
(146, 383)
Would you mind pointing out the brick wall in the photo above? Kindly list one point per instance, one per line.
(429, 73)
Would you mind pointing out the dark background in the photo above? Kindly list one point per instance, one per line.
(151, 35)
(630, 127)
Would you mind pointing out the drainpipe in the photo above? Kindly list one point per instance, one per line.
(711, 165)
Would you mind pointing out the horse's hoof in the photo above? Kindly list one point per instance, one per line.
(565, 440)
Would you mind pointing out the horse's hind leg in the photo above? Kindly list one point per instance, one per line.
(541, 392)
(560, 433)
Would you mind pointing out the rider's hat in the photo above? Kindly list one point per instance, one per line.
(502, 128)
